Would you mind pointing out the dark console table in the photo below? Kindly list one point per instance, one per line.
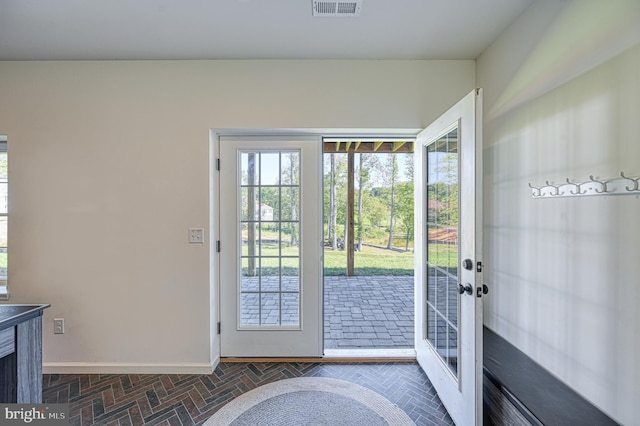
(21, 353)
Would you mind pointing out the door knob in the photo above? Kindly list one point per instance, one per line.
(467, 264)
(465, 289)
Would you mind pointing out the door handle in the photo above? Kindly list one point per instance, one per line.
(465, 289)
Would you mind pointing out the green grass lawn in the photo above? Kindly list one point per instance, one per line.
(369, 261)
(378, 261)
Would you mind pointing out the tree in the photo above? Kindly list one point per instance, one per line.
(290, 170)
(409, 165)
(377, 209)
(405, 205)
(368, 163)
(332, 203)
(390, 178)
(404, 210)
(447, 189)
(251, 207)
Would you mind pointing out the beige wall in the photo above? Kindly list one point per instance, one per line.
(110, 167)
(562, 100)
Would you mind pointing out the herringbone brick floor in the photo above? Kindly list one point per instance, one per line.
(181, 400)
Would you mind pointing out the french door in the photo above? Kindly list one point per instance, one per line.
(270, 246)
(448, 268)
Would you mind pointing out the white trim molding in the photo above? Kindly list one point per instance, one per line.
(128, 368)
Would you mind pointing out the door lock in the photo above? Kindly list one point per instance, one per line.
(482, 290)
(467, 264)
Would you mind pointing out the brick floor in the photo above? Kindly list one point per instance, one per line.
(189, 400)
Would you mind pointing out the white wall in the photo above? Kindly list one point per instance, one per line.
(109, 167)
(562, 100)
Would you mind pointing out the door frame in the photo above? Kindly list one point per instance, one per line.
(215, 197)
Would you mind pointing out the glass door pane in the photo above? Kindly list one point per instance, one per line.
(269, 223)
(442, 247)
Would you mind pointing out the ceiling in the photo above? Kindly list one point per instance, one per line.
(249, 29)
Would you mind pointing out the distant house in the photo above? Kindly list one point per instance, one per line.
(266, 212)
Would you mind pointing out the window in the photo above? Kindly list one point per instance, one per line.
(4, 203)
(270, 287)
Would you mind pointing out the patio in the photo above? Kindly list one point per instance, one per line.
(360, 312)
(368, 312)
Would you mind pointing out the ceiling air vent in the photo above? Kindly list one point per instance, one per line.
(337, 8)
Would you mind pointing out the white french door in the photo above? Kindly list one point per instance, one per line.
(270, 246)
(448, 268)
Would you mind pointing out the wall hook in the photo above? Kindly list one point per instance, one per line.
(633, 181)
(536, 189)
(603, 184)
(593, 186)
(577, 185)
(556, 187)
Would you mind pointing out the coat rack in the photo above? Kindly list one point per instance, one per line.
(623, 185)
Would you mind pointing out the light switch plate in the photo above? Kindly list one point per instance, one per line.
(196, 236)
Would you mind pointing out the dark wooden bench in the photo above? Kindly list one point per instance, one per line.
(517, 391)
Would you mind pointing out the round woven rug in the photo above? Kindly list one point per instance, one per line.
(310, 401)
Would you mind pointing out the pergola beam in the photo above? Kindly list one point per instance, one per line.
(377, 147)
(397, 145)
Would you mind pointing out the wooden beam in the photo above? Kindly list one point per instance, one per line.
(379, 147)
(397, 145)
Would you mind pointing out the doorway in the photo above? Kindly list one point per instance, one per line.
(368, 246)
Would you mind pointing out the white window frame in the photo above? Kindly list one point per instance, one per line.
(4, 282)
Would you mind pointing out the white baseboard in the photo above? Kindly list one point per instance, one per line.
(128, 368)
(408, 353)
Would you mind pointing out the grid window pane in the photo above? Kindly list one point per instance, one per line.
(442, 247)
(270, 234)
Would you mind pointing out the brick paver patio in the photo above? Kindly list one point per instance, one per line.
(368, 312)
(362, 312)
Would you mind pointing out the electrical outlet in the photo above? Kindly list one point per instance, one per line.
(58, 326)
(196, 236)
